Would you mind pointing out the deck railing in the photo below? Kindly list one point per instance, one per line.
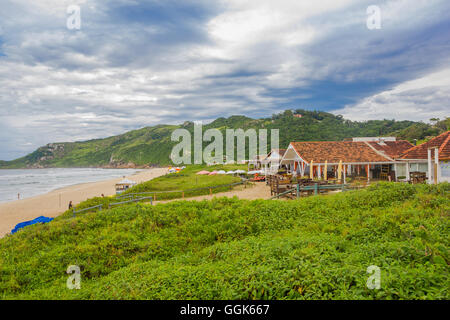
(316, 188)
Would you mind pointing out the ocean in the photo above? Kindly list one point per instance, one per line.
(33, 182)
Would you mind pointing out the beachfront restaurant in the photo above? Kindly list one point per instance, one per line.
(359, 158)
(271, 163)
(431, 158)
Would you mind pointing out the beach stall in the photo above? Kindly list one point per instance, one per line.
(124, 185)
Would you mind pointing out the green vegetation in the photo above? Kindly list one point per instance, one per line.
(186, 180)
(153, 145)
(313, 248)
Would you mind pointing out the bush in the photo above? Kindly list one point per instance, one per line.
(314, 248)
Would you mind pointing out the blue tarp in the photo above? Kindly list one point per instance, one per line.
(21, 225)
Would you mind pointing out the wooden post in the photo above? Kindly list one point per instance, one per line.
(430, 169)
(368, 173)
(436, 166)
(298, 190)
(407, 171)
(345, 174)
(316, 189)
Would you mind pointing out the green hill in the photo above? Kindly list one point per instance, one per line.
(152, 145)
(315, 248)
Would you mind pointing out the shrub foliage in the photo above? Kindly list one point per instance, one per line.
(313, 248)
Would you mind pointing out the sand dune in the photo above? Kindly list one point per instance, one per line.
(56, 202)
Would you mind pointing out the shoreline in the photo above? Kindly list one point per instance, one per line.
(55, 202)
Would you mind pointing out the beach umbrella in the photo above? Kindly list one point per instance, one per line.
(311, 170)
(230, 172)
(221, 172)
(172, 170)
(240, 171)
(325, 174)
(254, 172)
(212, 173)
(203, 172)
(340, 170)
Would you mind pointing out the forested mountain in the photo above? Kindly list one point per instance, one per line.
(152, 145)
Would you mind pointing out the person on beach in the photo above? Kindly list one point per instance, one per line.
(70, 205)
(103, 195)
(18, 196)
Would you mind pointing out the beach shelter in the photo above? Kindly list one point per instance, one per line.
(212, 173)
(230, 172)
(325, 174)
(340, 171)
(221, 172)
(124, 185)
(203, 172)
(240, 171)
(254, 172)
(311, 170)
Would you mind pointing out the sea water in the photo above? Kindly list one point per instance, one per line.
(33, 182)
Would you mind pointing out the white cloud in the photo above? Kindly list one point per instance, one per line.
(124, 70)
(420, 99)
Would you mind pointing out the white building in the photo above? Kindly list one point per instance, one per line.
(432, 158)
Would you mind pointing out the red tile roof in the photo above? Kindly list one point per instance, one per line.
(334, 151)
(392, 149)
(421, 151)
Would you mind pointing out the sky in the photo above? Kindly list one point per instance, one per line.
(138, 63)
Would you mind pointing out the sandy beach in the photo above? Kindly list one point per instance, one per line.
(56, 202)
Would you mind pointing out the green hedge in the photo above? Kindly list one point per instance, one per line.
(314, 248)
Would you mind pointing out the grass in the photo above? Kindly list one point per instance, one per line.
(314, 248)
(186, 179)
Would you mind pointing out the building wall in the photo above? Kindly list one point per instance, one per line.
(444, 167)
(401, 168)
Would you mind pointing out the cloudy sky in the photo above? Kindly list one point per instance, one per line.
(139, 63)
